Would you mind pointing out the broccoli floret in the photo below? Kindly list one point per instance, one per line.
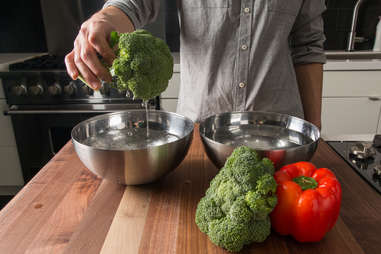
(144, 64)
(210, 211)
(263, 200)
(235, 210)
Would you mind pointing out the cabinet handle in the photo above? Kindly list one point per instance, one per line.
(374, 98)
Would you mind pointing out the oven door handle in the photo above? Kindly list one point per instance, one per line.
(35, 112)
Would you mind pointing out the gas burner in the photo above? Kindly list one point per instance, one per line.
(362, 163)
(369, 168)
(362, 151)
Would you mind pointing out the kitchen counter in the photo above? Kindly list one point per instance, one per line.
(67, 209)
(352, 65)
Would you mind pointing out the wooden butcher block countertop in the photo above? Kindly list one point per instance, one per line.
(67, 209)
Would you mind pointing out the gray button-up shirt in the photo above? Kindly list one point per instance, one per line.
(239, 55)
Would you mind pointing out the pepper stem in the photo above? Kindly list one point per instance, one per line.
(305, 182)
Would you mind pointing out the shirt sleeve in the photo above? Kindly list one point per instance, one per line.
(140, 12)
(307, 35)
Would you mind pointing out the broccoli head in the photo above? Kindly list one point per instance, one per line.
(235, 209)
(144, 64)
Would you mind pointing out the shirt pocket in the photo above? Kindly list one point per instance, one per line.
(290, 7)
(206, 3)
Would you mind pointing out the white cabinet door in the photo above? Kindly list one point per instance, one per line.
(172, 91)
(348, 116)
(10, 169)
(352, 83)
(169, 105)
(6, 131)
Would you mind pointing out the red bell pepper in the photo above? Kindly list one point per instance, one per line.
(308, 201)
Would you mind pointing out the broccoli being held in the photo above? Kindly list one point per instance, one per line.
(144, 64)
(235, 209)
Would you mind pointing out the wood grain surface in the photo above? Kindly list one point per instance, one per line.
(67, 209)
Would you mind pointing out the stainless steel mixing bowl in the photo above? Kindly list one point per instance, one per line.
(104, 145)
(282, 138)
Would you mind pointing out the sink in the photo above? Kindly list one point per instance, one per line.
(353, 55)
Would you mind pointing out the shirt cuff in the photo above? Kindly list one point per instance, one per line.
(127, 9)
(308, 55)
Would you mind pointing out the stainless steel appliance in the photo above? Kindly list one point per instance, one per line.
(363, 157)
(45, 104)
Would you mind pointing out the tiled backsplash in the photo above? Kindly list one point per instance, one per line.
(338, 19)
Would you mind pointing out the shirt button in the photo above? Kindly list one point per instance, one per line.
(244, 47)
(241, 85)
(246, 10)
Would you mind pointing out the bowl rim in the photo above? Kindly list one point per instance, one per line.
(202, 125)
(98, 117)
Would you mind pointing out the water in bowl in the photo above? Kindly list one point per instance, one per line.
(260, 137)
(130, 139)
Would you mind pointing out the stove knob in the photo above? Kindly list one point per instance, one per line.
(70, 89)
(87, 90)
(55, 89)
(19, 90)
(36, 90)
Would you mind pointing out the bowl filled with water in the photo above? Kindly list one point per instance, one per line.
(132, 147)
(282, 138)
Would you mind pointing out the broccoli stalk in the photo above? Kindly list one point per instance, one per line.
(235, 210)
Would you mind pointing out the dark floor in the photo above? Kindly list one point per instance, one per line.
(4, 200)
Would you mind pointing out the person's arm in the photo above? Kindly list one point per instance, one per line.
(310, 82)
(306, 42)
(117, 15)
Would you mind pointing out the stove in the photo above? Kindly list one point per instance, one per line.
(363, 157)
(44, 104)
(43, 81)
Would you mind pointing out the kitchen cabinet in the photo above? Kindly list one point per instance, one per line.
(169, 97)
(2, 95)
(10, 169)
(351, 103)
(347, 116)
(169, 105)
(6, 131)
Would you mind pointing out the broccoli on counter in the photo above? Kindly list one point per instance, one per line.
(144, 64)
(235, 209)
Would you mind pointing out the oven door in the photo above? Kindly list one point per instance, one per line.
(41, 131)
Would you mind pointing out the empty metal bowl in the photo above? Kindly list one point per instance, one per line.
(116, 146)
(282, 138)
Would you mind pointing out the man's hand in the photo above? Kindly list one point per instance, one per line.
(310, 82)
(92, 39)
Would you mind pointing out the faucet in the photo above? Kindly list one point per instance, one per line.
(352, 39)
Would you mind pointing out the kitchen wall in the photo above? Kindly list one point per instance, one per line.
(338, 18)
(51, 25)
(21, 27)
